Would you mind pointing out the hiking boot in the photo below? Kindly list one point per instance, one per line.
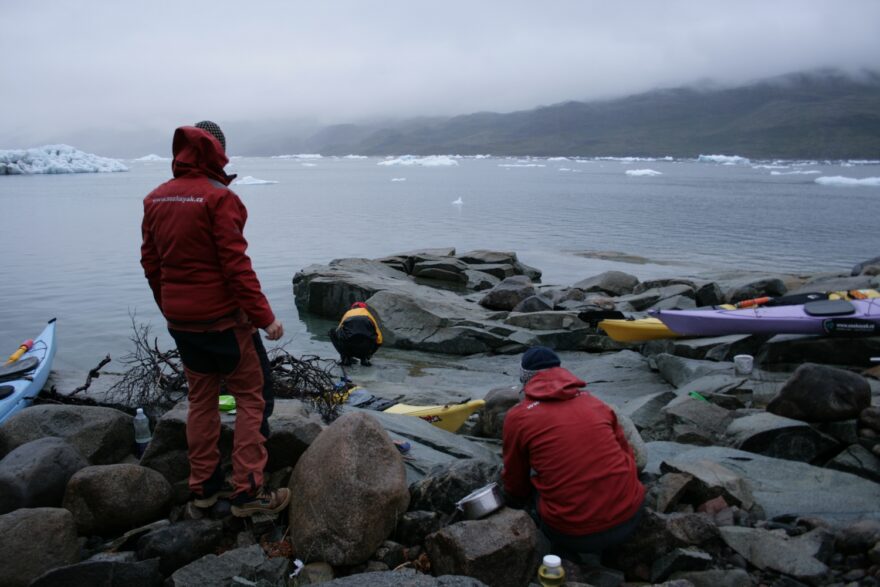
(207, 500)
(265, 502)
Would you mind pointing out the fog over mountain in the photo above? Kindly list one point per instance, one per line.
(116, 78)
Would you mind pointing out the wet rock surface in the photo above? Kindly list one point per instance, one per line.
(738, 494)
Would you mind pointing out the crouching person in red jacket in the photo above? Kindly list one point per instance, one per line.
(194, 257)
(566, 446)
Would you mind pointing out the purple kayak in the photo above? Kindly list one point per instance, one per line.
(828, 317)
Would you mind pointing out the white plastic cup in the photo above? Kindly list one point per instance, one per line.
(743, 364)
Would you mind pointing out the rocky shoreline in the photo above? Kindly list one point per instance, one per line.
(767, 479)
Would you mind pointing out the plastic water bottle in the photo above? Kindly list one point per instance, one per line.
(551, 573)
(142, 434)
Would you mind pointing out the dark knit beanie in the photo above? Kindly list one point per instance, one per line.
(212, 128)
(539, 357)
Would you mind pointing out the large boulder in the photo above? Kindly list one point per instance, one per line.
(180, 544)
(818, 393)
(102, 435)
(747, 288)
(507, 294)
(782, 438)
(498, 550)
(106, 499)
(776, 551)
(35, 541)
(858, 268)
(110, 573)
(36, 473)
(671, 297)
(498, 402)
(780, 487)
(249, 563)
(615, 283)
(796, 349)
(446, 484)
(347, 491)
(431, 446)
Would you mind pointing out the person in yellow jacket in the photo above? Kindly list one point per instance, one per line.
(357, 337)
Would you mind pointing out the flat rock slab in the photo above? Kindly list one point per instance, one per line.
(783, 487)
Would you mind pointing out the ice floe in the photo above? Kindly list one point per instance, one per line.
(797, 172)
(299, 156)
(848, 181)
(55, 159)
(429, 161)
(458, 202)
(153, 157)
(355, 157)
(643, 172)
(521, 165)
(633, 159)
(251, 180)
(724, 159)
(398, 179)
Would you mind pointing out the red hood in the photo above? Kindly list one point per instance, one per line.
(197, 152)
(556, 383)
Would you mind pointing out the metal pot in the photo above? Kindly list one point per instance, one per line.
(481, 502)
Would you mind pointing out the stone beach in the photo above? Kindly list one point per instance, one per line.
(769, 478)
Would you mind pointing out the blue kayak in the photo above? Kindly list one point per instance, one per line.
(21, 381)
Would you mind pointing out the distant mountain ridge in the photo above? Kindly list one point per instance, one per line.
(808, 115)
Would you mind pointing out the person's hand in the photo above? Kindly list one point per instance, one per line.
(274, 331)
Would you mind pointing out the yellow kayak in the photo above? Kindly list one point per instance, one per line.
(449, 417)
(636, 330)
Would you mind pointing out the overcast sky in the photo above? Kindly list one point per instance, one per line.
(90, 64)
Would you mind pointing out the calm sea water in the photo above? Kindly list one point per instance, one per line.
(70, 243)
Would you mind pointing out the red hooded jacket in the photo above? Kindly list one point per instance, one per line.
(584, 469)
(193, 250)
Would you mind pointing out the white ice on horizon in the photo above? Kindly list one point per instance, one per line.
(458, 202)
(52, 159)
(839, 180)
(251, 180)
(642, 172)
(299, 156)
(309, 164)
(633, 159)
(355, 157)
(153, 157)
(429, 161)
(521, 165)
(398, 179)
(724, 159)
(796, 172)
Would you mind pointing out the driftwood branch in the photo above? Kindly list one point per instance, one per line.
(93, 374)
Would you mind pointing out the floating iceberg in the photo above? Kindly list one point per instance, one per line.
(848, 181)
(457, 202)
(153, 157)
(724, 159)
(55, 159)
(633, 159)
(430, 161)
(642, 172)
(299, 156)
(557, 159)
(796, 172)
(398, 179)
(250, 180)
(355, 157)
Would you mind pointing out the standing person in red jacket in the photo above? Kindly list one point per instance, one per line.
(567, 446)
(194, 257)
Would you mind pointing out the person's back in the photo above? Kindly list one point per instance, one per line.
(194, 257)
(566, 446)
(584, 468)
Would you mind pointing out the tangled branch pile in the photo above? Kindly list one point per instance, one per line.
(154, 379)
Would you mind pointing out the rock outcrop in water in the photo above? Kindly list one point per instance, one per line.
(766, 478)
